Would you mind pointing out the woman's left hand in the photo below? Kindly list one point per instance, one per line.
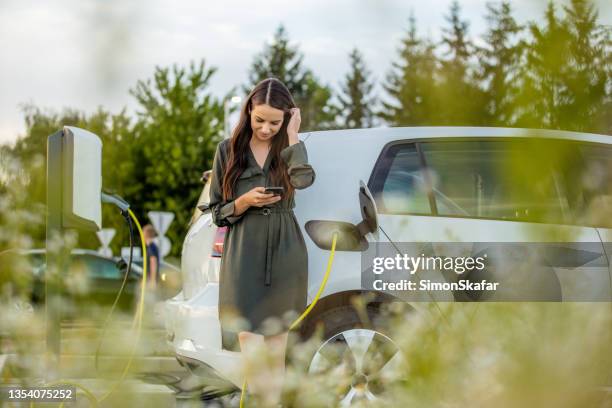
(293, 127)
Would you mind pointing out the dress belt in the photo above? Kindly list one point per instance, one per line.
(267, 210)
(270, 233)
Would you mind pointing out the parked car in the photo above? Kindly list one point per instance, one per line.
(204, 246)
(90, 279)
(428, 184)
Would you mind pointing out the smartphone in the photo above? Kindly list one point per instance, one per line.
(274, 190)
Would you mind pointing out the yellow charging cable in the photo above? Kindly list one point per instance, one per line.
(139, 310)
(297, 321)
(136, 322)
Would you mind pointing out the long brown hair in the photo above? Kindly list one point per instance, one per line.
(274, 93)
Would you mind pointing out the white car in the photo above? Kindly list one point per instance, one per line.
(399, 185)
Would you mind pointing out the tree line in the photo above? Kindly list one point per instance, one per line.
(554, 73)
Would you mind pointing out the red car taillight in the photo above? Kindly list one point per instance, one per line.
(217, 249)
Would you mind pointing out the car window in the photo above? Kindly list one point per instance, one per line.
(492, 179)
(97, 267)
(588, 181)
(398, 186)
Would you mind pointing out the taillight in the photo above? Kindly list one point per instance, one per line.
(217, 249)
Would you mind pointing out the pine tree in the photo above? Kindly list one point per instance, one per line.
(589, 75)
(356, 101)
(411, 82)
(605, 114)
(460, 100)
(566, 78)
(280, 60)
(500, 62)
(543, 87)
(456, 38)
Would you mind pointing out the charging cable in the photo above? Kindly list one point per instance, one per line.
(126, 215)
(137, 322)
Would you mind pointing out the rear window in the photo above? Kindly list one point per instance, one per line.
(490, 179)
(588, 181)
(519, 179)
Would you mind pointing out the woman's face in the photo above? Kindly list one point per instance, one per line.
(266, 121)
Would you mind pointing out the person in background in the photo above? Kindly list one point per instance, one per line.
(152, 255)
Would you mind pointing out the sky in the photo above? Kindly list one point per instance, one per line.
(89, 53)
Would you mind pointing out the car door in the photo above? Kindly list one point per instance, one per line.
(495, 197)
(104, 281)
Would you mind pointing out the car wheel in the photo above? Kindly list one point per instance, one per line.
(359, 359)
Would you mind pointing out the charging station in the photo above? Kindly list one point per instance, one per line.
(74, 188)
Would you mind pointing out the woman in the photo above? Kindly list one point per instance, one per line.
(264, 269)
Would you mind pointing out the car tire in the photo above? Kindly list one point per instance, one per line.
(348, 340)
(336, 319)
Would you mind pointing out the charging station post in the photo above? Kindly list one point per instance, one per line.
(54, 231)
(74, 189)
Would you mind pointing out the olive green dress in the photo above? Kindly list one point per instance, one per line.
(264, 269)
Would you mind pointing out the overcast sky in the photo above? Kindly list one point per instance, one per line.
(88, 53)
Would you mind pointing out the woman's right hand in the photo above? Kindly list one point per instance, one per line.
(258, 198)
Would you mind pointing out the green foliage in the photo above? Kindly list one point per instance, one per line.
(460, 99)
(553, 74)
(557, 75)
(428, 90)
(500, 62)
(26, 170)
(154, 163)
(174, 141)
(280, 60)
(356, 100)
(411, 83)
(567, 71)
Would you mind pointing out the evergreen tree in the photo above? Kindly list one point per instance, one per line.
(411, 83)
(460, 100)
(543, 87)
(356, 101)
(282, 61)
(500, 62)
(566, 77)
(589, 75)
(604, 118)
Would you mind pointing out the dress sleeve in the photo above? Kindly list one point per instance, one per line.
(222, 211)
(301, 174)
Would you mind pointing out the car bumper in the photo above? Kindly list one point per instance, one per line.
(194, 331)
